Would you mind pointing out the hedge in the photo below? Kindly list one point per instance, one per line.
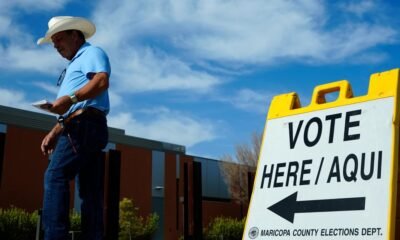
(225, 228)
(17, 224)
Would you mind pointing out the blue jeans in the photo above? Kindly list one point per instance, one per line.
(77, 153)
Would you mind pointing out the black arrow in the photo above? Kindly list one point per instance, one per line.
(287, 207)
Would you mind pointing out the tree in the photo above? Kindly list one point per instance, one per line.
(134, 226)
(236, 169)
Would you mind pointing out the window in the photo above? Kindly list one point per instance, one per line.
(213, 184)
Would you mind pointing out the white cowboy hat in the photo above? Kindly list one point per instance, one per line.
(62, 23)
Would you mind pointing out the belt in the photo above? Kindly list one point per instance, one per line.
(89, 111)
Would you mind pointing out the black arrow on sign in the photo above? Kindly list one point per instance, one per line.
(287, 207)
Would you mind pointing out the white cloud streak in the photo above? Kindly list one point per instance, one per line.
(51, 88)
(16, 99)
(251, 101)
(238, 31)
(12, 98)
(20, 53)
(166, 126)
(359, 8)
(42, 60)
(140, 70)
(248, 100)
(33, 5)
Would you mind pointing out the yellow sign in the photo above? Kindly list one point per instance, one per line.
(329, 170)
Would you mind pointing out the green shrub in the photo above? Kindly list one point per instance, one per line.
(132, 225)
(225, 228)
(75, 222)
(75, 225)
(17, 224)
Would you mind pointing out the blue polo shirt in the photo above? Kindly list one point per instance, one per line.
(88, 60)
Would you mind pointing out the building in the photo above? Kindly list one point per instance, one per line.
(185, 191)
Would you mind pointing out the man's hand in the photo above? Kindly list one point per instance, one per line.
(61, 105)
(50, 140)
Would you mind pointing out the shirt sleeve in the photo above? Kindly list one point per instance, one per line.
(97, 61)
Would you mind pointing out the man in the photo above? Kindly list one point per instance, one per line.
(75, 143)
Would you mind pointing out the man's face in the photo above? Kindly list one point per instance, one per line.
(66, 44)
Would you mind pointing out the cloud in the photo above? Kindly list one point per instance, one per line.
(115, 99)
(178, 45)
(37, 5)
(11, 31)
(12, 27)
(146, 70)
(248, 100)
(166, 126)
(274, 31)
(239, 31)
(12, 98)
(353, 40)
(359, 8)
(16, 99)
(139, 66)
(5, 25)
(252, 101)
(17, 45)
(51, 88)
(42, 60)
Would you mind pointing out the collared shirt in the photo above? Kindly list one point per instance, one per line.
(88, 60)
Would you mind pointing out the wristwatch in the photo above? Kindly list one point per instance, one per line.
(73, 98)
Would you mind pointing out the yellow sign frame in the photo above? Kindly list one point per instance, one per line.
(381, 85)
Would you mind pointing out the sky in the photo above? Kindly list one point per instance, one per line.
(202, 73)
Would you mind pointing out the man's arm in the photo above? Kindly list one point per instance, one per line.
(49, 142)
(98, 83)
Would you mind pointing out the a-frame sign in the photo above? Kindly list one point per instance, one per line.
(329, 170)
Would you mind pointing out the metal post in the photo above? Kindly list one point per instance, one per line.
(113, 193)
(39, 225)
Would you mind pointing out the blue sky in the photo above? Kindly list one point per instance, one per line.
(202, 73)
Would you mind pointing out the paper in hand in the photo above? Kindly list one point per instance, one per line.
(43, 105)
